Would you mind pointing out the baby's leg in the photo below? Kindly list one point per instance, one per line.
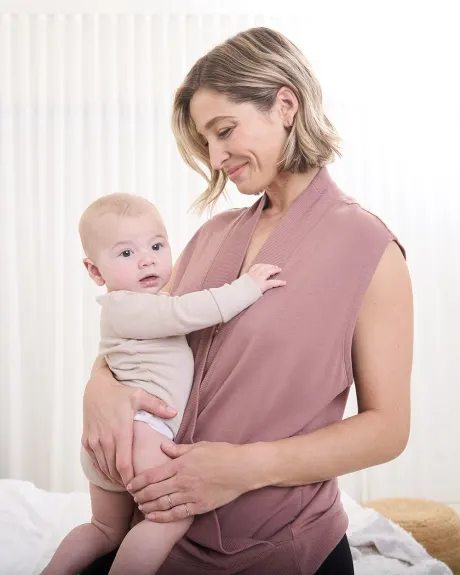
(148, 544)
(112, 513)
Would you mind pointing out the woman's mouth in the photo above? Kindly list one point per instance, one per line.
(234, 173)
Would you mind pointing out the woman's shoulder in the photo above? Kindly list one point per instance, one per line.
(222, 221)
(215, 227)
(349, 217)
(210, 233)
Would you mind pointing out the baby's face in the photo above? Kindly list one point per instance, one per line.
(133, 253)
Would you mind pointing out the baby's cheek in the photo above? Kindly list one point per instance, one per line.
(124, 278)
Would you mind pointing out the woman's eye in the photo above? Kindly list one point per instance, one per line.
(126, 253)
(224, 133)
(156, 247)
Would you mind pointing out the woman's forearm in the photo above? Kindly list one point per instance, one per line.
(350, 445)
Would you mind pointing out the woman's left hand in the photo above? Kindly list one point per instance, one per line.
(199, 478)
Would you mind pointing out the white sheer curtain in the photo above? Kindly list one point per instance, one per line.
(85, 104)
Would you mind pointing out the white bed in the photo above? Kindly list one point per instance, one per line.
(33, 521)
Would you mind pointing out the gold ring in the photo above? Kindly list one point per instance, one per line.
(186, 510)
(170, 502)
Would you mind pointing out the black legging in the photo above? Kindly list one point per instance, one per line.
(338, 562)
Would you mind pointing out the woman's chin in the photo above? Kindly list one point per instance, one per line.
(248, 190)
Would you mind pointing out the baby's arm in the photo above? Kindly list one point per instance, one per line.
(146, 316)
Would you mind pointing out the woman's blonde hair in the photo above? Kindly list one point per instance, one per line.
(251, 67)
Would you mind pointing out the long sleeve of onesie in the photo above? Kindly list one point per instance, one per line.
(134, 315)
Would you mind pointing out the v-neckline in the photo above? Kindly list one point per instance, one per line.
(278, 246)
(251, 236)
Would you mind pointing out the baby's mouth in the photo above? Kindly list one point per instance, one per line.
(149, 281)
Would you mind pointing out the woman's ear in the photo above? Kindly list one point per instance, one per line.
(93, 272)
(288, 105)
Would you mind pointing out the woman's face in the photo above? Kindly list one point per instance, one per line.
(242, 141)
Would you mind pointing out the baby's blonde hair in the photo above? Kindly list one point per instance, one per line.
(112, 204)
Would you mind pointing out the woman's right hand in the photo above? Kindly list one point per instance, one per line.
(108, 415)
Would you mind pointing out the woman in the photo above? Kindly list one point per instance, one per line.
(262, 441)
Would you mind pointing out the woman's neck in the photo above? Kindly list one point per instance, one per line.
(285, 189)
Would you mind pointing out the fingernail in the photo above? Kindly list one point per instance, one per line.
(135, 499)
(140, 507)
(170, 410)
(151, 517)
(129, 487)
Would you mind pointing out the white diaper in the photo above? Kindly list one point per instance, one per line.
(154, 422)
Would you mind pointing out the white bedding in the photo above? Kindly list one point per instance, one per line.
(33, 521)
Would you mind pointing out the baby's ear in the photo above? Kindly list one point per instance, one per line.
(93, 272)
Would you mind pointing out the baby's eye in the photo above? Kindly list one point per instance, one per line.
(126, 253)
(156, 247)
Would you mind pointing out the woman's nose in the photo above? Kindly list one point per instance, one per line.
(217, 156)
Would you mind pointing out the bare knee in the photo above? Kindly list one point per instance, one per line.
(114, 535)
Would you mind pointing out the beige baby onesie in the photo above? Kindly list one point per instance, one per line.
(143, 340)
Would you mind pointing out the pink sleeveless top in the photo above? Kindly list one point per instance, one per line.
(279, 369)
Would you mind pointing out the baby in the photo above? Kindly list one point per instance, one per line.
(143, 341)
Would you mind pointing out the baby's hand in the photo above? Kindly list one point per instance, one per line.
(261, 274)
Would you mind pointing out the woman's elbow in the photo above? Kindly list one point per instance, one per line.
(399, 446)
(395, 439)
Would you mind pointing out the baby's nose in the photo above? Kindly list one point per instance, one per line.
(146, 260)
